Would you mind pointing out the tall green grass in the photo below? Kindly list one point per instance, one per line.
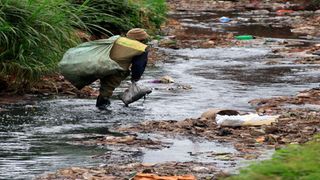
(293, 162)
(152, 13)
(33, 36)
(118, 16)
(114, 15)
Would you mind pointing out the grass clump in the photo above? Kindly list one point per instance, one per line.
(153, 13)
(293, 162)
(33, 36)
(118, 16)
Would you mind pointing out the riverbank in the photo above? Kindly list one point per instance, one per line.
(292, 162)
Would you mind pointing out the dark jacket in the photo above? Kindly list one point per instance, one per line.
(138, 66)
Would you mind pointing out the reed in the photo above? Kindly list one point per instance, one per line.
(33, 36)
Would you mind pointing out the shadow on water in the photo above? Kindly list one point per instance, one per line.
(261, 76)
(263, 31)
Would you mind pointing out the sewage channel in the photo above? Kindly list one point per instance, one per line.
(38, 138)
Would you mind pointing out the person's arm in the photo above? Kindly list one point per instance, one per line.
(139, 64)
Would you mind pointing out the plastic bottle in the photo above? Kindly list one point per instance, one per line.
(244, 37)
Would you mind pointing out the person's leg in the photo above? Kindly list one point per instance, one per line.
(107, 86)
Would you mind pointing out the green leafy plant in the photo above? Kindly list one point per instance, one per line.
(118, 16)
(34, 34)
(153, 13)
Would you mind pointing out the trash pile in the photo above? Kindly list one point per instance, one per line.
(144, 176)
(246, 130)
(126, 140)
(138, 171)
(282, 104)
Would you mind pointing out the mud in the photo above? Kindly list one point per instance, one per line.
(130, 170)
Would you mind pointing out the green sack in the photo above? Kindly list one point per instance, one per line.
(89, 61)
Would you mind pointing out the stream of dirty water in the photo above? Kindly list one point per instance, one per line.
(38, 138)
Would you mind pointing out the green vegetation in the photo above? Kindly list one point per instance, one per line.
(119, 16)
(293, 162)
(316, 3)
(153, 13)
(34, 34)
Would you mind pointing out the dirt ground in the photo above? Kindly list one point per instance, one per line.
(299, 114)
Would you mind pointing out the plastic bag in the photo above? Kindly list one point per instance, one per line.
(245, 120)
(89, 61)
(134, 93)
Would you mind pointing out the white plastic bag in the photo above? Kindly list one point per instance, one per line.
(134, 93)
(245, 120)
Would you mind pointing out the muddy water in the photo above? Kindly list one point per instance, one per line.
(40, 137)
(262, 24)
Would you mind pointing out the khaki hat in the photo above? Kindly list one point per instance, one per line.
(137, 34)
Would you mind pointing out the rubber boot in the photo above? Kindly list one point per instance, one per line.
(102, 103)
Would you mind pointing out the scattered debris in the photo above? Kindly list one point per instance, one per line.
(280, 104)
(224, 19)
(165, 80)
(143, 176)
(128, 140)
(244, 37)
(128, 171)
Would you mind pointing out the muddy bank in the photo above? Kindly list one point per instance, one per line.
(297, 124)
(122, 172)
(197, 24)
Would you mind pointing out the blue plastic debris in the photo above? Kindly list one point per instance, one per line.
(224, 19)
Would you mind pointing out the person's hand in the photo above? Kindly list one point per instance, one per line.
(134, 80)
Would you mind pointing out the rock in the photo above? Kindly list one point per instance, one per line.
(88, 176)
(257, 132)
(304, 95)
(251, 156)
(316, 53)
(317, 11)
(148, 164)
(271, 130)
(147, 171)
(260, 12)
(168, 43)
(200, 169)
(211, 114)
(272, 62)
(260, 139)
(224, 132)
(166, 79)
(303, 30)
(272, 138)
